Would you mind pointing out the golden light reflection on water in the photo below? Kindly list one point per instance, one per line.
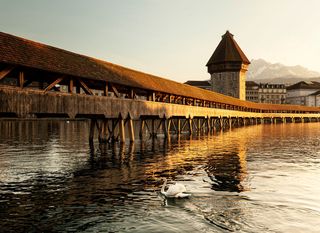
(251, 174)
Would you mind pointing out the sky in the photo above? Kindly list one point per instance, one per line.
(170, 38)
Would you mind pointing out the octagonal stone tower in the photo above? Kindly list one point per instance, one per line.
(228, 66)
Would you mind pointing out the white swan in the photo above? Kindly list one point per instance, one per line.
(176, 190)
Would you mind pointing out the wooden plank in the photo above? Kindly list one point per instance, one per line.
(85, 87)
(5, 72)
(48, 88)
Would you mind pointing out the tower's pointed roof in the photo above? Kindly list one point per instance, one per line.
(228, 51)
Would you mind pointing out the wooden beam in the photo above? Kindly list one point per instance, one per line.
(164, 98)
(106, 89)
(85, 87)
(70, 87)
(131, 94)
(115, 91)
(152, 96)
(48, 88)
(5, 72)
(21, 79)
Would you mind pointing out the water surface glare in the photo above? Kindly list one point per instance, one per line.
(263, 178)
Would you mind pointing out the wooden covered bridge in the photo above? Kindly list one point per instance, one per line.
(40, 81)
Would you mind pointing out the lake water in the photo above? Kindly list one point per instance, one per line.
(263, 178)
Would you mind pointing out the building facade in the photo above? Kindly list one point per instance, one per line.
(266, 93)
(272, 93)
(304, 93)
(228, 66)
(252, 91)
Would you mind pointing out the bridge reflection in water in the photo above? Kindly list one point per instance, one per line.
(51, 177)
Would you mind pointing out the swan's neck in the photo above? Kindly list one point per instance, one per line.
(163, 186)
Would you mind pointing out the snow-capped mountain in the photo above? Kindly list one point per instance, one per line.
(263, 71)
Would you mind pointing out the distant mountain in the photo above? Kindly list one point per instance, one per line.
(263, 71)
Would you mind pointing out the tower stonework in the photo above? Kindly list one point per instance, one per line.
(228, 66)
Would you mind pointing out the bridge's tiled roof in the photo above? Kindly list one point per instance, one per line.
(23, 52)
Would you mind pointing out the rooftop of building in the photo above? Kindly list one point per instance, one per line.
(228, 51)
(251, 84)
(197, 83)
(315, 93)
(272, 86)
(304, 85)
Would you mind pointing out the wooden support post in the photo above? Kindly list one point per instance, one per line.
(198, 125)
(122, 131)
(166, 127)
(5, 72)
(103, 131)
(152, 96)
(178, 126)
(21, 79)
(92, 128)
(153, 133)
(70, 87)
(131, 94)
(230, 122)
(214, 126)
(209, 124)
(190, 125)
(106, 89)
(142, 124)
(131, 130)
